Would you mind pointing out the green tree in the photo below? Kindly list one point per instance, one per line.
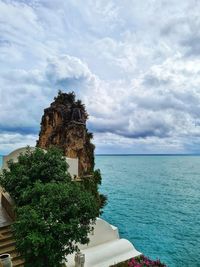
(53, 213)
(59, 216)
(38, 165)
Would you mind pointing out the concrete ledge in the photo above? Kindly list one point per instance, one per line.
(107, 254)
(105, 248)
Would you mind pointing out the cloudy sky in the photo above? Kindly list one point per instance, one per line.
(134, 63)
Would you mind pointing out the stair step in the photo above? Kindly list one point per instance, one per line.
(8, 249)
(7, 243)
(15, 255)
(6, 234)
(6, 225)
(5, 238)
(6, 230)
(18, 262)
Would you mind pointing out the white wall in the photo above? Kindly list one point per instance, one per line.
(73, 166)
(103, 232)
(105, 247)
(73, 163)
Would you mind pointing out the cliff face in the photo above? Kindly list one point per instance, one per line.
(64, 125)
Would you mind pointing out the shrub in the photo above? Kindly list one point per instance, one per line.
(91, 184)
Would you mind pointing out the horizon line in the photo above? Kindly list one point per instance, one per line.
(139, 154)
(147, 154)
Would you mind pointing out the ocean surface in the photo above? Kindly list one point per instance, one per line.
(155, 203)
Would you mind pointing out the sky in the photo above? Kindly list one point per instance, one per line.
(135, 64)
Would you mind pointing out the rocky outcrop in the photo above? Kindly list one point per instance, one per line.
(64, 125)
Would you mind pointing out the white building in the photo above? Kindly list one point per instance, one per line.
(105, 248)
(73, 163)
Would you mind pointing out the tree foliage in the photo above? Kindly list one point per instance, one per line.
(91, 184)
(34, 166)
(53, 213)
(58, 217)
(64, 98)
(70, 99)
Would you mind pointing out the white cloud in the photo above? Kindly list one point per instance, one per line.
(135, 66)
(65, 69)
(12, 141)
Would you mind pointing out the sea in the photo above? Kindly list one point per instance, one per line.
(155, 203)
(154, 200)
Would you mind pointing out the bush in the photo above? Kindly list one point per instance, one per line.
(91, 184)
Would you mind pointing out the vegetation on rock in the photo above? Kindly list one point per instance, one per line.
(91, 184)
(63, 125)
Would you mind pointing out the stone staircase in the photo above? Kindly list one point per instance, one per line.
(7, 245)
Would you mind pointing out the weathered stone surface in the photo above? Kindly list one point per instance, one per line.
(64, 125)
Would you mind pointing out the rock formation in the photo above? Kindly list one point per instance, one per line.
(64, 125)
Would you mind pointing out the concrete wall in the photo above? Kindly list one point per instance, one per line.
(73, 166)
(73, 163)
(103, 232)
(105, 248)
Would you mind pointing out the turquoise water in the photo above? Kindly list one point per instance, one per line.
(155, 202)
